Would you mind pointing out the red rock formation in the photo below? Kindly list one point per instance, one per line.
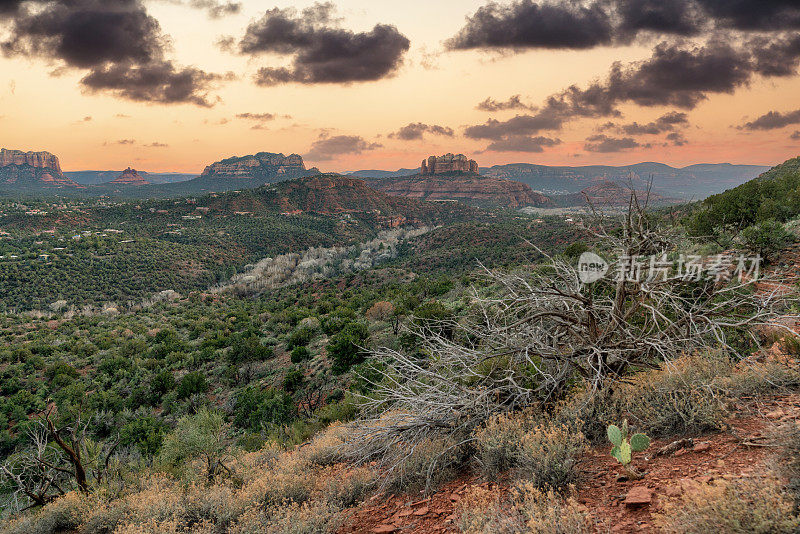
(470, 189)
(129, 177)
(448, 163)
(260, 165)
(40, 169)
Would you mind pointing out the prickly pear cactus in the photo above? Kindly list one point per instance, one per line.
(624, 448)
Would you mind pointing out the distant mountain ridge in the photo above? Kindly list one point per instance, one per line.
(693, 181)
(103, 177)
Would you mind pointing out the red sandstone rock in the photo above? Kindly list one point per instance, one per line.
(639, 496)
(261, 164)
(448, 163)
(32, 169)
(129, 177)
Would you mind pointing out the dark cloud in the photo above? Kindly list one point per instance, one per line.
(796, 135)
(329, 147)
(776, 56)
(159, 82)
(122, 142)
(677, 139)
(526, 24)
(321, 51)
(514, 102)
(574, 24)
(604, 143)
(417, 130)
(521, 125)
(676, 75)
(753, 15)
(665, 123)
(256, 116)
(773, 120)
(117, 41)
(521, 143)
(9, 6)
(216, 9)
(678, 17)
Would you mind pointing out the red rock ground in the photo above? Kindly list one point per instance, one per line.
(739, 452)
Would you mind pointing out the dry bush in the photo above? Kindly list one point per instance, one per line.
(380, 311)
(787, 438)
(742, 507)
(345, 489)
(307, 518)
(64, 514)
(684, 397)
(326, 448)
(756, 379)
(480, 512)
(423, 466)
(543, 453)
(498, 443)
(547, 456)
(530, 510)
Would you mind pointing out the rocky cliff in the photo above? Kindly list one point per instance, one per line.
(447, 164)
(129, 177)
(31, 170)
(467, 188)
(261, 165)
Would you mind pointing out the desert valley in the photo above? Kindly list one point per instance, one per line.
(356, 267)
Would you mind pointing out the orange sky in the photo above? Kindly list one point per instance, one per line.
(40, 111)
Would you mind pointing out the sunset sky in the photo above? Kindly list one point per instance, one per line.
(174, 85)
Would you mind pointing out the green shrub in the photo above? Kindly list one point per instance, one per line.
(345, 348)
(766, 238)
(300, 354)
(193, 383)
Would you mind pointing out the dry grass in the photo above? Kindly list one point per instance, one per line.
(529, 510)
(742, 507)
(270, 491)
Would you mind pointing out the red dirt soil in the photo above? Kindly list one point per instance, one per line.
(737, 453)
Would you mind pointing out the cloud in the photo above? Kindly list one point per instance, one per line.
(256, 116)
(156, 144)
(677, 139)
(521, 143)
(118, 42)
(796, 136)
(574, 24)
(675, 74)
(327, 147)
(417, 130)
(773, 120)
(525, 24)
(121, 142)
(514, 102)
(217, 9)
(677, 17)
(157, 82)
(321, 51)
(605, 144)
(665, 123)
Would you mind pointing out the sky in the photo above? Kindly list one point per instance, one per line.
(174, 85)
